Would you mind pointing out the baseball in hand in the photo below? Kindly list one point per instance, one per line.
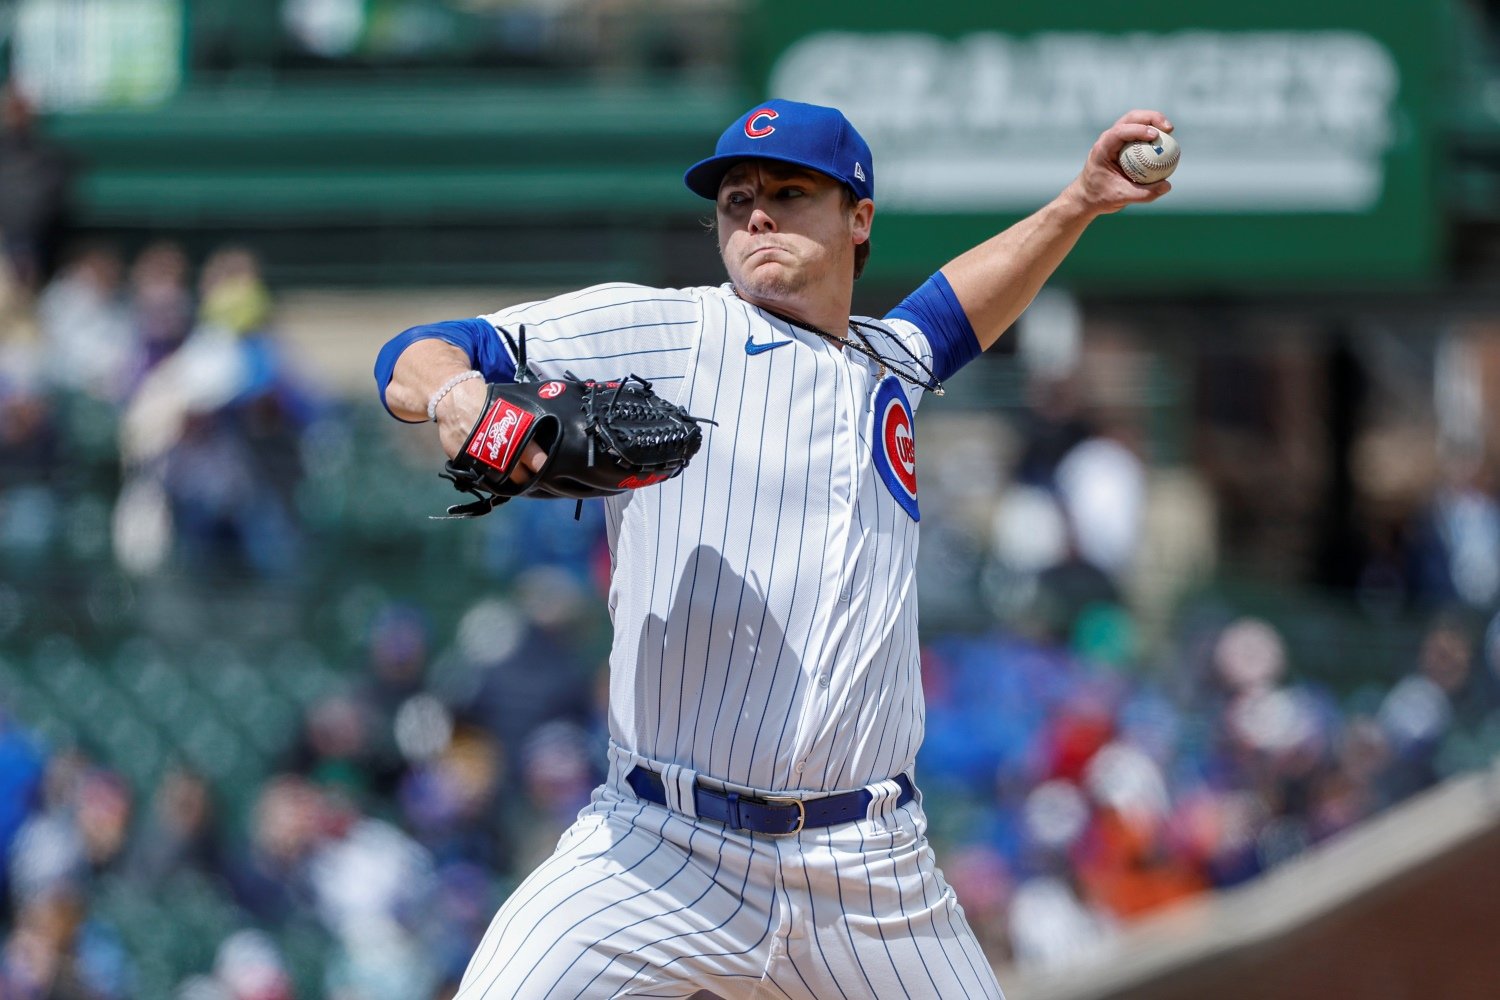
(1149, 162)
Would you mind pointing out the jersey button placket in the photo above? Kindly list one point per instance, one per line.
(837, 575)
(843, 486)
(849, 423)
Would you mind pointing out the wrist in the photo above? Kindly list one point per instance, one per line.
(1073, 204)
(446, 388)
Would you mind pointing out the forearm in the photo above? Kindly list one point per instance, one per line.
(996, 280)
(422, 369)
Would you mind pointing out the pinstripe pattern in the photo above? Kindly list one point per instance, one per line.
(640, 902)
(765, 635)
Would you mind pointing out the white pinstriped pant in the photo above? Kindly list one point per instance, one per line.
(640, 901)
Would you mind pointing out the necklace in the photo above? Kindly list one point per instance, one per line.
(843, 342)
(930, 382)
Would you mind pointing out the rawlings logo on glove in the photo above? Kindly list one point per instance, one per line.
(601, 438)
(499, 432)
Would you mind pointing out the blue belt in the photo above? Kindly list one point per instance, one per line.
(779, 816)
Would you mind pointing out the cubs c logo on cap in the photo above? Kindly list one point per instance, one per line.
(755, 131)
(895, 445)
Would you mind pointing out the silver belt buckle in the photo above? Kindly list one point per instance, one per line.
(801, 813)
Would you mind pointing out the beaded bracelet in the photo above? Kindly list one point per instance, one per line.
(437, 397)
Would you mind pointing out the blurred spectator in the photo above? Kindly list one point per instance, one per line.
(1125, 860)
(55, 952)
(1349, 791)
(35, 181)
(79, 831)
(1426, 708)
(179, 832)
(361, 740)
(271, 877)
(559, 770)
(540, 674)
(202, 988)
(449, 802)
(85, 321)
(1052, 924)
(29, 438)
(983, 880)
(372, 887)
(1134, 799)
(102, 810)
(335, 750)
(1455, 544)
(1052, 928)
(161, 301)
(233, 297)
(1082, 726)
(1101, 482)
(463, 901)
(20, 338)
(249, 966)
(21, 762)
(47, 852)
(400, 722)
(76, 829)
(1052, 425)
(211, 439)
(1049, 580)
(397, 651)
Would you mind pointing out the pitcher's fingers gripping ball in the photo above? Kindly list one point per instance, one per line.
(601, 438)
(1149, 162)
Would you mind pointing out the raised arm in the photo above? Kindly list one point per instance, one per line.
(996, 280)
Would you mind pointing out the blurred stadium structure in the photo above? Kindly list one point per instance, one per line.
(1406, 898)
(1211, 573)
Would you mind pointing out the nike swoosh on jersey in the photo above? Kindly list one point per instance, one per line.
(751, 347)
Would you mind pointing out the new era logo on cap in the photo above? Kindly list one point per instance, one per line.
(808, 135)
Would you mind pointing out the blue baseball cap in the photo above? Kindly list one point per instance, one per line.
(808, 135)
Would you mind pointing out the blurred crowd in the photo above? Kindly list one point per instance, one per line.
(189, 394)
(1073, 786)
(383, 833)
(1083, 793)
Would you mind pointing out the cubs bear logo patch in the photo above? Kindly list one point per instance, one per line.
(895, 445)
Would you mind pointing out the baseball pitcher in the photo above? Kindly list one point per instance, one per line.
(760, 833)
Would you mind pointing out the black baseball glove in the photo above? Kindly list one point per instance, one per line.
(601, 438)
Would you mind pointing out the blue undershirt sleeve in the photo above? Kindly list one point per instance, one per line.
(475, 337)
(934, 309)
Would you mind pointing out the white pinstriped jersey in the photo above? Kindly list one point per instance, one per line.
(765, 620)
